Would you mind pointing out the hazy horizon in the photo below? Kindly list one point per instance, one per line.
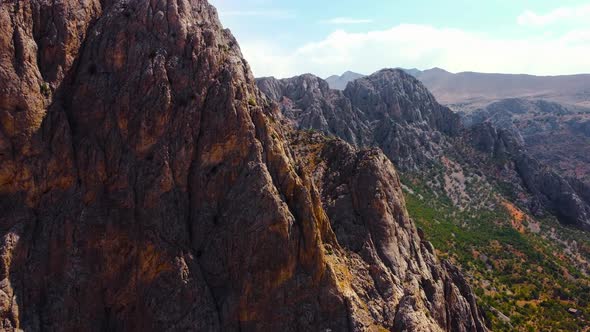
(428, 69)
(285, 39)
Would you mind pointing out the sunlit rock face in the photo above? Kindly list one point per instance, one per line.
(146, 185)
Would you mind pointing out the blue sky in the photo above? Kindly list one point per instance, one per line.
(285, 38)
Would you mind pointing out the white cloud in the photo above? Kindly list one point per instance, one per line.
(268, 59)
(578, 14)
(345, 20)
(424, 46)
(266, 13)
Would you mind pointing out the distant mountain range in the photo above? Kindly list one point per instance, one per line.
(470, 90)
(340, 82)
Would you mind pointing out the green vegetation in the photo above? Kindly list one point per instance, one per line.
(45, 89)
(525, 276)
(252, 102)
(224, 48)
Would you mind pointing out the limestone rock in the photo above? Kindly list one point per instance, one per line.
(392, 110)
(389, 109)
(146, 185)
(386, 265)
(567, 199)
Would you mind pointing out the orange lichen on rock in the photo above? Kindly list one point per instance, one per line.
(151, 263)
(517, 216)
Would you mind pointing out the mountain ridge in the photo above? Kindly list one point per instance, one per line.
(470, 90)
(393, 110)
(149, 185)
(339, 82)
(476, 190)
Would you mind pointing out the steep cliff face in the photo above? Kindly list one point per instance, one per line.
(389, 109)
(146, 185)
(398, 114)
(553, 133)
(568, 200)
(128, 213)
(390, 268)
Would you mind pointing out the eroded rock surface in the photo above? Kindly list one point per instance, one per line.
(145, 185)
(555, 134)
(389, 109)
(392, 110)
(385, 264)
(308, 102)
(568, 199)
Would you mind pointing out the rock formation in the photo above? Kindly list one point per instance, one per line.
(391, 269)
(339, 82)
(389, 109)
(555, 134)
(395, 112)
(308, 102)
(568, 200)
(146, 185)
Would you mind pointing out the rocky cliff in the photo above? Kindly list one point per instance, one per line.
(308, 102)
(391, 268)
(146, 185)
(568, 200)
(392, 110)
(389, 109)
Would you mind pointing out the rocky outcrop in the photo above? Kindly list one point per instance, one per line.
(582, 189)
(408, 124)
(309, 103)
(568, 200)
(552, 133)
(390, 268)
(389, 109)
(555, 192)
(496, 143)
(393, 111)
(394, 94)
(146, 185)
(340, 82)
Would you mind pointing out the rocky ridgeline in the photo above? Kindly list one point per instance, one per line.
(389, 109)
(145, 185)
(556, 134)
(392, 110)
(567, 199)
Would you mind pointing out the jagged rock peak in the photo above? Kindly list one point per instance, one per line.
(298, 87)
(397, 95)
(389, 109)
(339, 82)
(147, 186)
